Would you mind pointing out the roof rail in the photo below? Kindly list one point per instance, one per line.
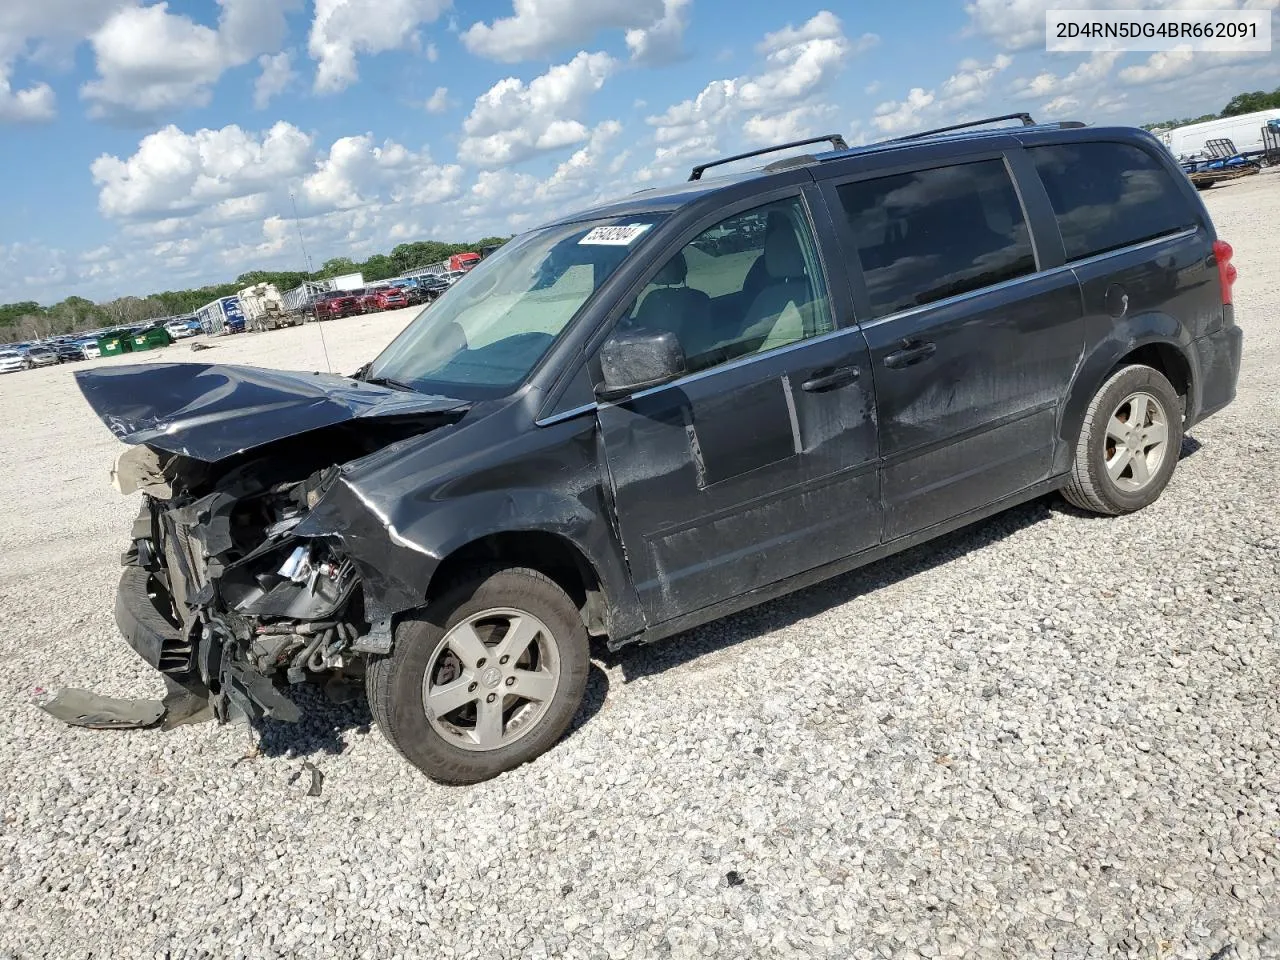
(1024, 117)
(835, 139)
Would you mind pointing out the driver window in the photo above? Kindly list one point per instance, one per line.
(749, 284)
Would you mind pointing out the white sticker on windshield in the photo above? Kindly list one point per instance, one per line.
(619, 236)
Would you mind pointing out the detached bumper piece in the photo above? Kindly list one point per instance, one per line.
(202, 665)
(141, 602)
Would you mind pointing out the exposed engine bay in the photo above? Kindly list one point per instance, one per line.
(223, 591)
(247, 601)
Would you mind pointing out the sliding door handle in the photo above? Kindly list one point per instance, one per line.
(830, 379)
(913, 351)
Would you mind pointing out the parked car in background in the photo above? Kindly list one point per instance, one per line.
(338, 304)
(413, 292)
(68, 351)
(180, 328)
(432, 285)
(11, 361)
(39, 355)
(90, 349)
(383, 298)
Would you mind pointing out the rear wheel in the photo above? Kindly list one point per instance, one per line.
(1129, 444)
(486, 678)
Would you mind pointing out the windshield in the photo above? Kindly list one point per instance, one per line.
(483, 337)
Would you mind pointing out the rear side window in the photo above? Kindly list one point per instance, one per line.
(1109, 195)
(931, 234)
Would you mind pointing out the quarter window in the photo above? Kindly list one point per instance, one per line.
(1109, 195)
(931, 234)
(749, 284)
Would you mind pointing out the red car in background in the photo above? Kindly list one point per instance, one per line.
(338, 304)
(383, 298)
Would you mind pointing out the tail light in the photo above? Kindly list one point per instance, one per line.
(1226, 269)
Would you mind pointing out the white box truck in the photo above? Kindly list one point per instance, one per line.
(1245, 131)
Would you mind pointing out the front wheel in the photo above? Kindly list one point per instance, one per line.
(1129, 443)
(485, 678)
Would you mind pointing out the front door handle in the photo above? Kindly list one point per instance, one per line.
(831, 379)
(913, 351)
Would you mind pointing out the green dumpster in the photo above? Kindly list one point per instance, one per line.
(151, 338)
(114, 344)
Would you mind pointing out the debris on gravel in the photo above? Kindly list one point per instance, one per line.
(1051, 735)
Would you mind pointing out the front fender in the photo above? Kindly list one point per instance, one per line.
(397, 548)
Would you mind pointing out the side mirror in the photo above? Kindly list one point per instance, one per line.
(634, 360)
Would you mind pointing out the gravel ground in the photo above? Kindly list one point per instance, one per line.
(1050, 735)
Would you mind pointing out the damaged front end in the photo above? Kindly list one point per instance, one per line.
(220, 592)
(219, 595)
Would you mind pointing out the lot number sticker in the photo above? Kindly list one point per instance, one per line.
(619, 236)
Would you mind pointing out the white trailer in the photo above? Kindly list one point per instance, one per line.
(1245, 131)
(348, 281)
(299, 301)
(430, 270)
(221, 316)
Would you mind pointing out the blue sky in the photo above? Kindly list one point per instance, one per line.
(150, 146)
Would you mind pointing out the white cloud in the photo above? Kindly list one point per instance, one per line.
(513, 121)
(151, 61)
(40, 31)
(1061, 105)
(1012, 24)
(28, 269)
(541, 28)
(1089, 73)
(663, 41)
(174, 172)
(1162, 65)
(894, 115)
(359, 173)
(277, 73)
(249, 27)
(344, 28)
(579, 173)
(29, 105)
(968, 86)
(799, 62)
(795, 124)
(439, 101)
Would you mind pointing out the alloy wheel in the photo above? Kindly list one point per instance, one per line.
(1137, 441)
(491, 679)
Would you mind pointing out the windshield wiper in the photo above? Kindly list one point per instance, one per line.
(389, 382)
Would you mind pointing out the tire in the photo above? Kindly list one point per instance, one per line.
(444, 747)
(1135, 480)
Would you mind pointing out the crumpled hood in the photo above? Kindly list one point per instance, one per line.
(211, 411)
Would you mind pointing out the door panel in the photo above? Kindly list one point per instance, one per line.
(976, 419)
(738, 477)
(761, 462)
(973, 351)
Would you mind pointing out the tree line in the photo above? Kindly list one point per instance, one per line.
(1240, 104)
(29, 320)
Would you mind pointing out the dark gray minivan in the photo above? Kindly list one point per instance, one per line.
(656, 412)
